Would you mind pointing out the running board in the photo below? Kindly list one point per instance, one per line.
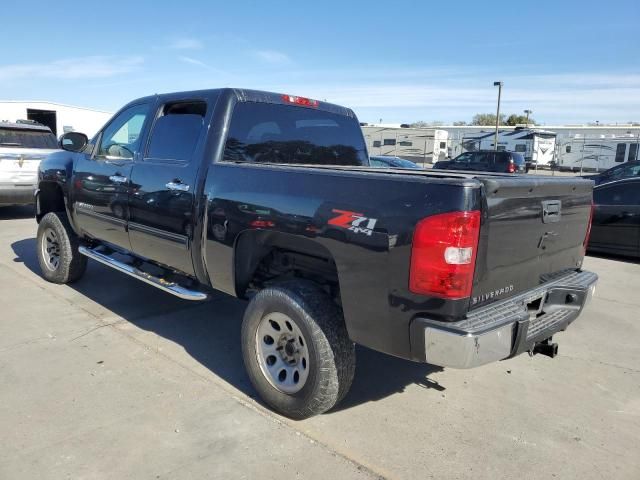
(169, 287)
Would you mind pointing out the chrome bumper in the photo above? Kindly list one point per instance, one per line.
(11, 194)
(508, 328)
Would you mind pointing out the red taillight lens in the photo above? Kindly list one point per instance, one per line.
(586, 236)
(305, 102)
(512, 167)
(262, 224)
(443, 255)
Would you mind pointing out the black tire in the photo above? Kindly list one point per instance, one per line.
(70, 265)
(332, 356)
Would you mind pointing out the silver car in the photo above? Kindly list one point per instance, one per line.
(22, 147)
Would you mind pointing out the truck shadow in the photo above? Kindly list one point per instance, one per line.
(210, 331)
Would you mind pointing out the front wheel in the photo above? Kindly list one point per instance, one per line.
(296, 349)
(57, 245)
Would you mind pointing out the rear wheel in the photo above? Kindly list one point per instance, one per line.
(57, 248)
(296, 349)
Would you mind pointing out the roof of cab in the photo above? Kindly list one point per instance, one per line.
(248, 95)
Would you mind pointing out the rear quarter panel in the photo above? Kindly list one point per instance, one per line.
(372, 255)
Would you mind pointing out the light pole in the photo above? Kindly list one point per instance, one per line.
(528, 112)
(499, 85)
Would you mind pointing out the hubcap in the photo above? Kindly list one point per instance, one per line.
(282, 352)
(50, 248)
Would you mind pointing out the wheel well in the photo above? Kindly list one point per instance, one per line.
(50, 199)
(263, 258)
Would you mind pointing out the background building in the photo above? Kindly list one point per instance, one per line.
(58, 117)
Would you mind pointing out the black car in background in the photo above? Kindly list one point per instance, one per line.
(486, 161)
(626, 170)
(388, 161)
(616, 218)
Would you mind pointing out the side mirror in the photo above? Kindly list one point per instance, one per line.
(73, 141)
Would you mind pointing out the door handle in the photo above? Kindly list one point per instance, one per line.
(627, 214)
(118, 178)
(178, 186)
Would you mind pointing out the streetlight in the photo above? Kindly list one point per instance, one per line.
(528, 112)
(499, 85)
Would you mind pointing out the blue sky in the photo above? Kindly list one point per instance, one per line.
(569, 62)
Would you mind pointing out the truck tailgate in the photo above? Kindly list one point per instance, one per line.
(533, 229)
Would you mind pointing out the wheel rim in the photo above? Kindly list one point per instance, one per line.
(50, 248)
(282, 352)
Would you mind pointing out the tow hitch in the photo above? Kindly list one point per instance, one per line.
(545, 347)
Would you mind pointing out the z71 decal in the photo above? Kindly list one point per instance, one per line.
(353, 221)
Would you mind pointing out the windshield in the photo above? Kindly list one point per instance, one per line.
(402, 163)
(623, 171)
(13, 137)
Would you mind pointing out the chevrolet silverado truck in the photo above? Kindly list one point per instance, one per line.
(271, 198)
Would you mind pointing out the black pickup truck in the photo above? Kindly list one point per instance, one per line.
(271, 198)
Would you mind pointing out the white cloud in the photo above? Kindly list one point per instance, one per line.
(273, 57)
(186, 43)
(193, 61)
(73, 68)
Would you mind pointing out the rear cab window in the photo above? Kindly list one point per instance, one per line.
(285, 134)
(27, 138)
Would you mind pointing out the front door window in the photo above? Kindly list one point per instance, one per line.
(121, 139)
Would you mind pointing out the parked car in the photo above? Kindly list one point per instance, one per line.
(485, 161)
(22, 147)
(271, 198)
(625, 170)
(387, 161)
(616, 218)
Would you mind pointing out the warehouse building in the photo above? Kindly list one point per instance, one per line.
(58, 117)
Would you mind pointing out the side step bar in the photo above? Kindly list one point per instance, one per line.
(169, 287)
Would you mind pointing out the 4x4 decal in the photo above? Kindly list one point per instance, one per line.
(353, 221)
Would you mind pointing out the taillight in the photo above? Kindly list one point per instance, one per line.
(586, 236)
(262, 224)
(443, 255)
(305, 102)
(512, 167)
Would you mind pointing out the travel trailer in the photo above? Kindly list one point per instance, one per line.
(420, 145)
(596, 153)
(536, 145)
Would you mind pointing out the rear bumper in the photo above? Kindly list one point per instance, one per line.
(504, 329)
(11, 194)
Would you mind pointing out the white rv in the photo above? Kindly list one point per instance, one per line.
(420, 145)
(597, 153)
(535, 145)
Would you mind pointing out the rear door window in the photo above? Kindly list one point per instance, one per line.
(176, 131)
(272, 133)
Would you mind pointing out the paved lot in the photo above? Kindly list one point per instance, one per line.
(110, 378)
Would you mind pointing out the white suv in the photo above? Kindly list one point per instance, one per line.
(22, 146)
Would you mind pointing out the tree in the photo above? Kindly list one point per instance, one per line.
(459, 123)
(486, 119)
(423, 124)
(519, 120)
